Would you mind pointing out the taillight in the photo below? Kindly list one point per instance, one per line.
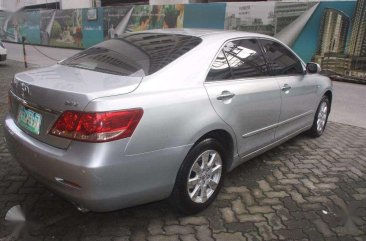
(97, 126)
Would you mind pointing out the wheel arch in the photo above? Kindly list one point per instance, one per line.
(329, 94)
(226, 140)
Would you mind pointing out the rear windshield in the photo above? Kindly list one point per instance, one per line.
(137, 54)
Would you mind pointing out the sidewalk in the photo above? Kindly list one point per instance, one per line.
(34, 57)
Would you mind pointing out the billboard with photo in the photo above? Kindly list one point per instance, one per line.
(115, 21)
(251, 17)
(67, 29)
(45, 25)
(21, 24)
(335, 37)
(146, 17)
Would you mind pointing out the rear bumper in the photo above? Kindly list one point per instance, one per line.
(108, 179)
(2, 57)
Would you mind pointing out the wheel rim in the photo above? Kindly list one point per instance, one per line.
(204, 176)
(322, 116)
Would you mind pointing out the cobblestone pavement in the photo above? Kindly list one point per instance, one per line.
(305, 189)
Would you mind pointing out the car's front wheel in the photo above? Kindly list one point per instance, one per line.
(321, 118)
(200, 177)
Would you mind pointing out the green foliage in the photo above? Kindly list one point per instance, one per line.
(56, 30)
(70, 22)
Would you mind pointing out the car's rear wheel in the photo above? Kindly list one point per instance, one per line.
(321, 118)
(200, 177)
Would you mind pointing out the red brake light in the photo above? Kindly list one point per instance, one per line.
(97, 126)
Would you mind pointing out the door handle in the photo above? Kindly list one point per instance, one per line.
(285, 87)
(225, 95)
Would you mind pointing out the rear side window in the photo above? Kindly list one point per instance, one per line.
(245, 59)
(281, 60)
(220, 69)
(136, 54)
(238, 59)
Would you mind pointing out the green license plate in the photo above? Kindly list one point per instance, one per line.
(29, 119)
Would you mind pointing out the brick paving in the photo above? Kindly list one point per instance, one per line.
(305, 189)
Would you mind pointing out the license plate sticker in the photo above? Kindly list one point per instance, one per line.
(29, 119)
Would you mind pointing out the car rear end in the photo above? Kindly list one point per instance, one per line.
(79, 151)
(68, 149)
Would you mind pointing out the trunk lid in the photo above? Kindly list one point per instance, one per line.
(52, 90)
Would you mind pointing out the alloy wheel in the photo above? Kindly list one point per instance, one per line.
(204, 176)
(322, 116)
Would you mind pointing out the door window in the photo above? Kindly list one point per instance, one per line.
(281, 60)
(220, 69)
(245, 59)
(238, 59)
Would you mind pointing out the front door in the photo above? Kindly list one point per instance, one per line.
(298, 90)
(244, 95)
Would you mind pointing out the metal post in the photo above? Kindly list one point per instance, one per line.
(24, 53)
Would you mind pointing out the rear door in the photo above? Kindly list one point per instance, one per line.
(244, 95)
(298, 90)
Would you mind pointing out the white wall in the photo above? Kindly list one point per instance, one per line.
(67, 4)
(14, 5)
(162, 2)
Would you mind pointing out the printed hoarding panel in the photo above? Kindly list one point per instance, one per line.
(306, 43)
(205, 15)
(2, 20)
(335, 37)
(46, 23)
(66, 28)
(115, 21)
(255, 17)
(157, 16)
(22, 24)
(92, 26)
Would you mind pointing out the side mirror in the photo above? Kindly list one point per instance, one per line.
(313, 68)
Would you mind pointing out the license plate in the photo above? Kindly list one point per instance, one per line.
(29, 119)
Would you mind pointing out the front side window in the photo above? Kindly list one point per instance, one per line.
(280, 60)
(238, 59)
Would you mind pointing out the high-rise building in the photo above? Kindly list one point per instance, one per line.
(357, 46)
(332, 42)
(333, 32)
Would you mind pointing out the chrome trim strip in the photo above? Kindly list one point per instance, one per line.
(34, 106)
(277, 125)
(252, 133)
(269, 146)
(296, 117)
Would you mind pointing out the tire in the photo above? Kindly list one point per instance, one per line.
(190, 199)
(321, 118)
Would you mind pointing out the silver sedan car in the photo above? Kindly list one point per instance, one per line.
(161, 114)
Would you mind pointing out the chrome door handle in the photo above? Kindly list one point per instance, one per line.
(285, 87)
(225, 95)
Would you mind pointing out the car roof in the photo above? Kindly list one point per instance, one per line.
(197, 32)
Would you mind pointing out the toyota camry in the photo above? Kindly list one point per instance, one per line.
(161, 114)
